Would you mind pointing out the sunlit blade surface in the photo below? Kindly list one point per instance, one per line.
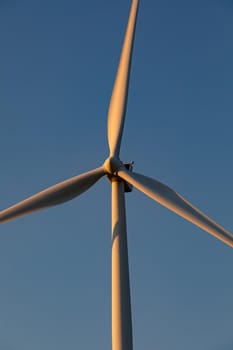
(117, 107)
(175, 202)
(57, 194)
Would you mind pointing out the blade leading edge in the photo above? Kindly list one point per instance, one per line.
(117, 107)
(54, 195)
(176, 203)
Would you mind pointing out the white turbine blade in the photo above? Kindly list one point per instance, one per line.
(117, 107)
(176, 203)
(57, 194)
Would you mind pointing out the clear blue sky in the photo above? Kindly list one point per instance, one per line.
(58, 60)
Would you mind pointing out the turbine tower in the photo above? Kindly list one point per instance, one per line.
(122, 179)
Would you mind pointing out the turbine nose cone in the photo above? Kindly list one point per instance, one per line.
(112, 165)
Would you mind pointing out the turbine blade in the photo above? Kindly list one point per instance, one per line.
(117, 107)
(176, 203)
(57, 194)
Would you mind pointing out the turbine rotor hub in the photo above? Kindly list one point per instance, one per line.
(112, 165)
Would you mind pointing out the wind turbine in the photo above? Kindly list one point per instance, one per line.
(122, 179)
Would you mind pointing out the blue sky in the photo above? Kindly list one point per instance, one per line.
(58, 61)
